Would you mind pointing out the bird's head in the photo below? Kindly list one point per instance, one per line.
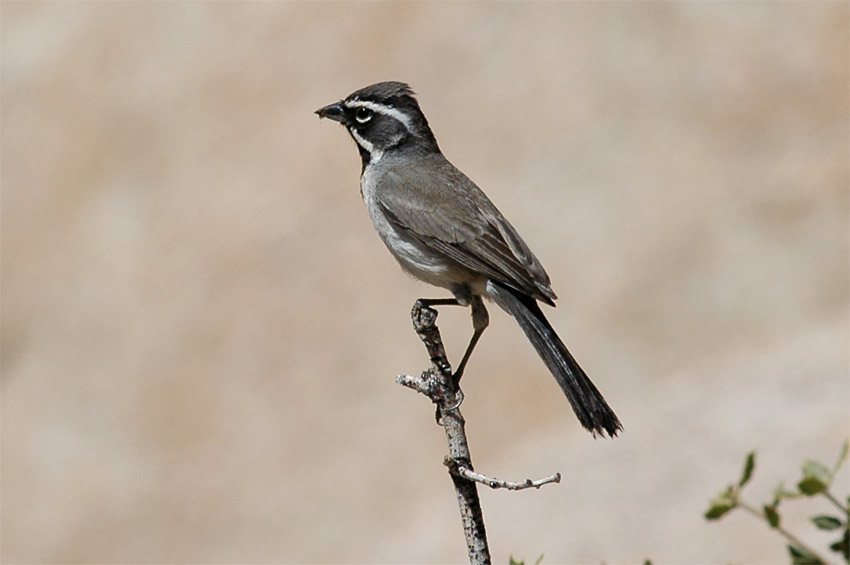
(382, 118)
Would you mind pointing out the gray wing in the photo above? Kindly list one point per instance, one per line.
(465, 226)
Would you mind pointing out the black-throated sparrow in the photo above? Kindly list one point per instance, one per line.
(444, 230)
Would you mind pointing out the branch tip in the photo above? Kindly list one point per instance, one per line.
(463, 471)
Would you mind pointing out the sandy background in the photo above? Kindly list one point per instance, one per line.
(200, 330)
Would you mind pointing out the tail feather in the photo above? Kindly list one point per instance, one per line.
(586, 400)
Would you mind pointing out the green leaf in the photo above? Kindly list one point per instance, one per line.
(748, 468)
(816, 478)
(811, 486)
(772, 516)
(816, 469)
(721, 504)
(842, 546)
(824, 522)
(801, 557)
(512, 561)
(845, 448)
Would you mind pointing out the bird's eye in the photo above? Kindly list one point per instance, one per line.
(363, 115)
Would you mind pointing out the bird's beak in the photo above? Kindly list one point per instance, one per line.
(333, 112)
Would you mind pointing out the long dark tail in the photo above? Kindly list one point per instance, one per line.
(587, 402)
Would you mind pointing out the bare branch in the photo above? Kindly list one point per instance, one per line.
(495, 483)
(421, 384)
(437, 383)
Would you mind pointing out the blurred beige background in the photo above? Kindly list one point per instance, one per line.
(200, 330)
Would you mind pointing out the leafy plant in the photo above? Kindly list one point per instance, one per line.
(816, 481)
(513, 561)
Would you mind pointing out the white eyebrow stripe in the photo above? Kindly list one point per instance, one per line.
(382, 109)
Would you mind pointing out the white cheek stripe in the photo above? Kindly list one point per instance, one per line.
(381, 109)
(374, 154)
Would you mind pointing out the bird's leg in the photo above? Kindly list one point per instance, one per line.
(428, 302)
(480, 321)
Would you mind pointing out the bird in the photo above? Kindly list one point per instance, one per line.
(443, 230)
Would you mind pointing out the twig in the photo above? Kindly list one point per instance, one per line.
(495, 483)
(795, 541)
(437, 384)
(844, 509)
